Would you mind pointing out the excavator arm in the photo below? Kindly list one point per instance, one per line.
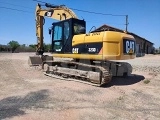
(51, 11)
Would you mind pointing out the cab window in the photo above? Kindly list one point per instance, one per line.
(58, 32)
(66, 30)
(78, 29)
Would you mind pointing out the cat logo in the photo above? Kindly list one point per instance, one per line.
(130, 47)
(75, 50)
(49, 13)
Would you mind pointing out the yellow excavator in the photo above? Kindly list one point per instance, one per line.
(92, 53)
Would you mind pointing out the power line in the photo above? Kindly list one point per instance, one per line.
(15, 9)
(45, 2)
(95, 12)
(32, 12)
(91, 12)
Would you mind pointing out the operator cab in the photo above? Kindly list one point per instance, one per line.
(62, 33)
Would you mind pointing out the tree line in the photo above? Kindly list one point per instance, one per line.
(14, 46)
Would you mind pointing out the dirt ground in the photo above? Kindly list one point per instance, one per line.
(27, 94)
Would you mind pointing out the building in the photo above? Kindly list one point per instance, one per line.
(143, 46)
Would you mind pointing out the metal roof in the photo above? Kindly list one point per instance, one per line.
(110, 28)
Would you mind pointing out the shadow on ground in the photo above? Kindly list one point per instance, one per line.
(13, 106)
(129, 80)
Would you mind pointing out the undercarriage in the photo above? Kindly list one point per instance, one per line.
(96, 73)
(74, 70)
(87, 71)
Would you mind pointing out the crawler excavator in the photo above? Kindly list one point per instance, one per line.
(92, 53)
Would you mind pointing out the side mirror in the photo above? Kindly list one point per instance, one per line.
(50, 31)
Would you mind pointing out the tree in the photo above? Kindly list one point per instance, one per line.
(47, 47)
(32, 46)
(14, 45)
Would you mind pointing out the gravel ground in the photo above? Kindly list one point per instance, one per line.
(149, 63)
(27, 94)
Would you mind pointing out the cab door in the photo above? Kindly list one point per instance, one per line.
(57, 38)
(62, 37)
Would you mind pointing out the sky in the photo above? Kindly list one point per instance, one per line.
(17, 18)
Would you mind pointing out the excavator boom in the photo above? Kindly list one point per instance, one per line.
(51, 11)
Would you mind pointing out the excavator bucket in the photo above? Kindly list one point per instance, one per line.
(34, 60)
(38, 60)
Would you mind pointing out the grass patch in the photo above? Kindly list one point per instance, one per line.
(146, 81)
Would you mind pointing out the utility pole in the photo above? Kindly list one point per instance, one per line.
(126, 23)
